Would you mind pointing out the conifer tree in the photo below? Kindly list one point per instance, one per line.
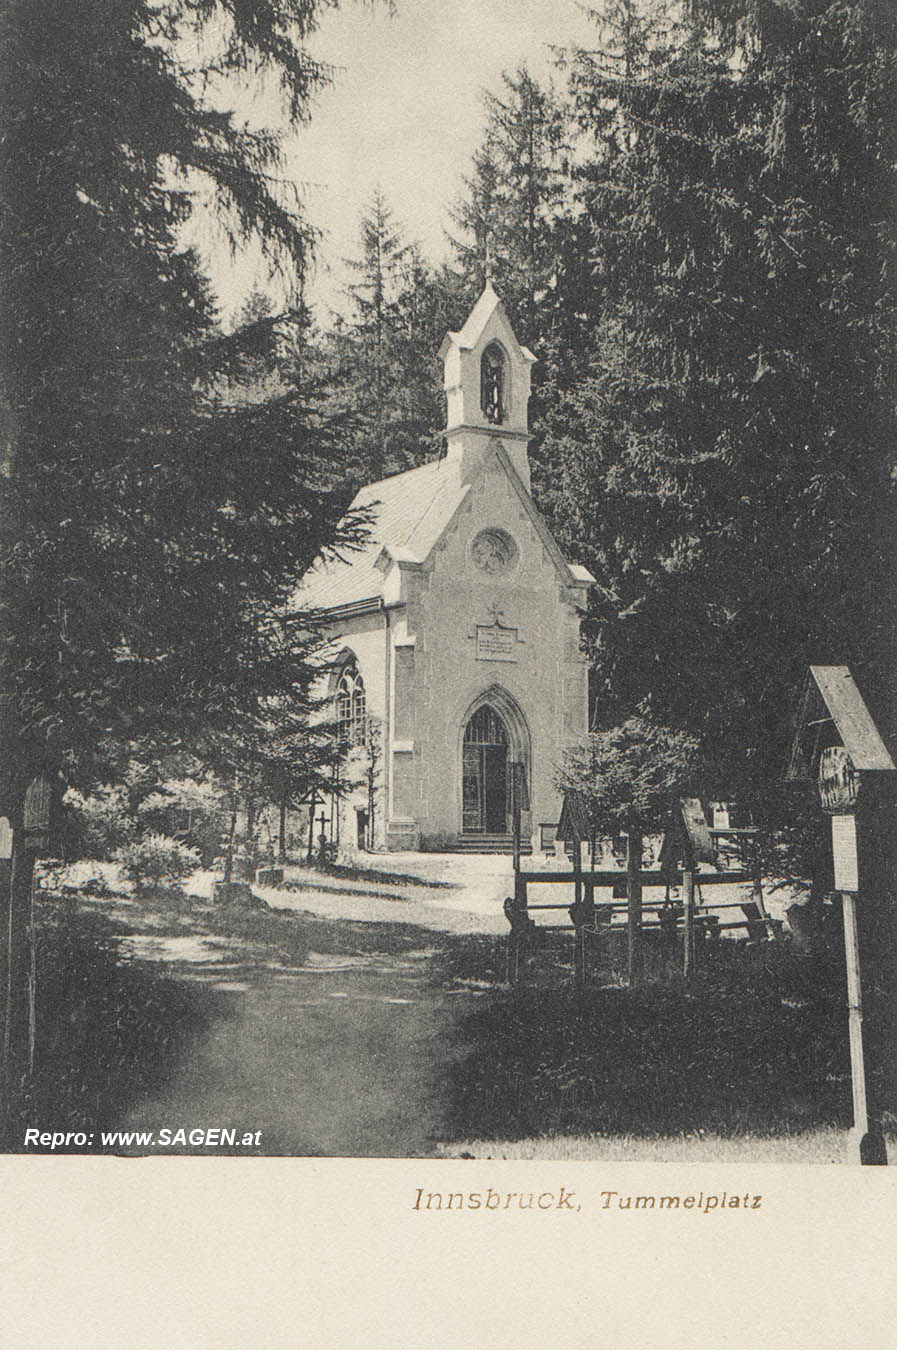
(385, 381)
(513, 197)
(725, 451)
(150, 539)
(374, 296)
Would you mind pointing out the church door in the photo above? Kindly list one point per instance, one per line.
(485, 774)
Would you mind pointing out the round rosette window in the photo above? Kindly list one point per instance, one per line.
(494, 552)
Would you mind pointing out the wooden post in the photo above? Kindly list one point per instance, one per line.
(6, 1077)
(515, 913)
(251, 847)
(577, 871)
(588, 929)
(850, 763)
(773, 929)
(511, 963)
(18, 1032)
(589, 885)
(865, 1143)
(520, 890)
(688, 924)
(579, 964)
(634, 906)
(6, 841)
(232, 830)
(515, 816)
(515, 940)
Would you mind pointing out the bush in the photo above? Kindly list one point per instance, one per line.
(60, 877)
(187, 809)
(156, 861)
(103, 821)
(107, 819)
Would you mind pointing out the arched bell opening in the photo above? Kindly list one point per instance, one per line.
(494, 384)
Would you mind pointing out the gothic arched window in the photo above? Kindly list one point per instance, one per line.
(343, 705)
(492, 383)
(358, 709)
(350, 706)
(486, 727)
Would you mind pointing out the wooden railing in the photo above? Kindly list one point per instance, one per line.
(592, 920)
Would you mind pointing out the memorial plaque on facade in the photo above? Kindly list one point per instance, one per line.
(495, 643)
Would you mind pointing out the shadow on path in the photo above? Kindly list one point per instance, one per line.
(319, 1037)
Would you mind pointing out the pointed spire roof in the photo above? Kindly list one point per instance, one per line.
(468, 336)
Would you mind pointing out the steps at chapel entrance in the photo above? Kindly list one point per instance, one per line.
(486, 843)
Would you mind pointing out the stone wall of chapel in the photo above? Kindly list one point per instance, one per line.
(364, 635)
(442, 676)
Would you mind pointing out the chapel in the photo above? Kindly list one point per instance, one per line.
(459, 679)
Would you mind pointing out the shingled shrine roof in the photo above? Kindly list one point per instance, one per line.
(831, 690)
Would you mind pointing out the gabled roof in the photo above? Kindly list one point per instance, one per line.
(538, 521)
(469, 335)
(575, 823)
(687, 838)
(832, 689)
(411, 510)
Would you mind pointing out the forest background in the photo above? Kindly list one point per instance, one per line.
(693, 227)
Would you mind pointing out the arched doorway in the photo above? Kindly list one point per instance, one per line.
(484, 773)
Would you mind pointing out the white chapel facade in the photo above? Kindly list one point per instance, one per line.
(457, 626)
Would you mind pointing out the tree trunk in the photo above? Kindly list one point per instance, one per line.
(634, 851)
(311, 827)
(18, 1001)
(372, 783)
(229, 860)
(250, 830)
(282, 832)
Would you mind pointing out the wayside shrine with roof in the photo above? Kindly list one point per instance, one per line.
(457, 626)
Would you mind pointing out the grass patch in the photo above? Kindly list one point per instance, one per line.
(350, 872)
(112, 1028)
(757, 1046)
(469, 957)
(283, 935)
(108, 1028)
(827, 1145)
(752, 1056)
(290, 936)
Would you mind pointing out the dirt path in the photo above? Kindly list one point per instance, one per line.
(330, 1028)
(448, 893)
(340, 1056)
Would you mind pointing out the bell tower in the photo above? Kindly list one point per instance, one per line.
(487, 385)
